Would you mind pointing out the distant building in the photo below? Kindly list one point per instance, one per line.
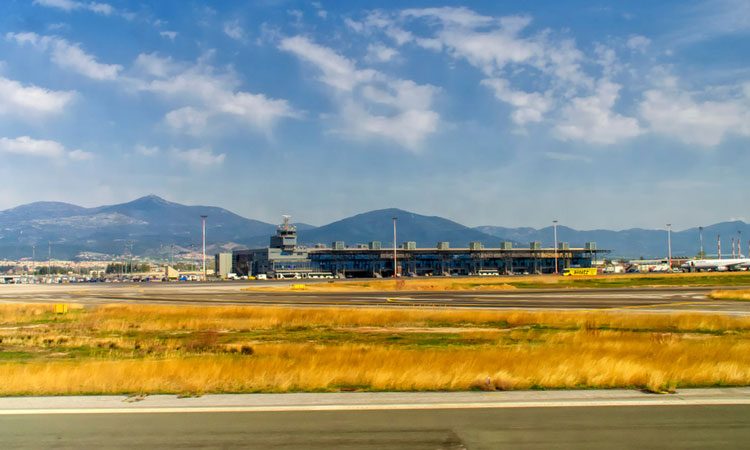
(223, 265)
(285, 259)
(282, 259)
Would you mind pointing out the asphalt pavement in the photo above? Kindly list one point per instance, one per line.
(664, 299)
(700, 418)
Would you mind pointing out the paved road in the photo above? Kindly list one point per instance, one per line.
(658, 299)
(581, 420)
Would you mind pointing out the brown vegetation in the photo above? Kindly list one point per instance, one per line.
(739, 294)
(182, 349)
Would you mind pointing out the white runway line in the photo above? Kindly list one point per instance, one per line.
(673, 400)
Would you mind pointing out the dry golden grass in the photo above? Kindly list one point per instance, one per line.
(743, 295)
(575, 360)
(186, 349)
(121, 317)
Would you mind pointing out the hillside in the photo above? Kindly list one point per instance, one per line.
(635, 242)
(150, 224)
(155, 227)
(378, 226)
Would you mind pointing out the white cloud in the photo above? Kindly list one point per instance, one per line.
(199, 158)
(171, 35)
(678, 114)
(80, 155)
(380, 53)
(69, 56)
(71, 5)
(206, 94)
(234, 30)
(638, 43)
(607, 59)
(371, 104)
(529, 106)
(187, 119)
(591, 119)
(322, 13)
(408, 127)
(72, 57)
(151, 64)
(461, 16)
(147, 151)
(485, 42)
(354, 25)
(17, 99)
(504, 50)
(26, 146)
(338, 71)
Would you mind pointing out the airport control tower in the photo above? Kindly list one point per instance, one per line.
(285, 237)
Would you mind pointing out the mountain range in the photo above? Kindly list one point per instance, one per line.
(152, 226)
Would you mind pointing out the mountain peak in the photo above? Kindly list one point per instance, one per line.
(150, 198)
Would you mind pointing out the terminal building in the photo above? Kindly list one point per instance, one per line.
(284, 258)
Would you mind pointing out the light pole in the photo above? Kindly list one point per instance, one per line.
(718, 245)
(203, 223)
(669, 244)
(395, 270)
(739, 243)
(701, 255)
(554, 228)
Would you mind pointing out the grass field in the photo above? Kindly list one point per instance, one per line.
(737, 294)
(191, 350)
(525, 282)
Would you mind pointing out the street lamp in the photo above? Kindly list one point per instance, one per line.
(395, 270)
(669, 244)
(203, 223)
(554, 227)
(701, 255)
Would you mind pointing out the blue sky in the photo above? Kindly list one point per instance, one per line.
(597, 113)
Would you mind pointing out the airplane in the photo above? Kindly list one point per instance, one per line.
(719, 265)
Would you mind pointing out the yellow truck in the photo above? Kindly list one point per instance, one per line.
(579, 271)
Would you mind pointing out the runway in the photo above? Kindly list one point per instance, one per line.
(693, 418)
(664, 299)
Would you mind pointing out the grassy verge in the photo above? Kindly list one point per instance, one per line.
(525, 282)
(741, 295)
(160, 349)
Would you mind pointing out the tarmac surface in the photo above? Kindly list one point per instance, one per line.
(661, 299)
(693, 418)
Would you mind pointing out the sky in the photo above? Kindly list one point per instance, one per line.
(601, 114)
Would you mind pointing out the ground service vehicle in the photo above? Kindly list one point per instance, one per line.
(579, 271)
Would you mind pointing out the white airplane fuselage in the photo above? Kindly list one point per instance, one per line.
(717, 264)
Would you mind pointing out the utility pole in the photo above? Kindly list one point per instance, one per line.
(669, 244)
(395, 267)
(701, 255)
(49, 260)
(203, 222)
(739, 243)
(554, 228)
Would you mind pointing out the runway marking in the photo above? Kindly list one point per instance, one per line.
(675, 401)
(660, 305)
